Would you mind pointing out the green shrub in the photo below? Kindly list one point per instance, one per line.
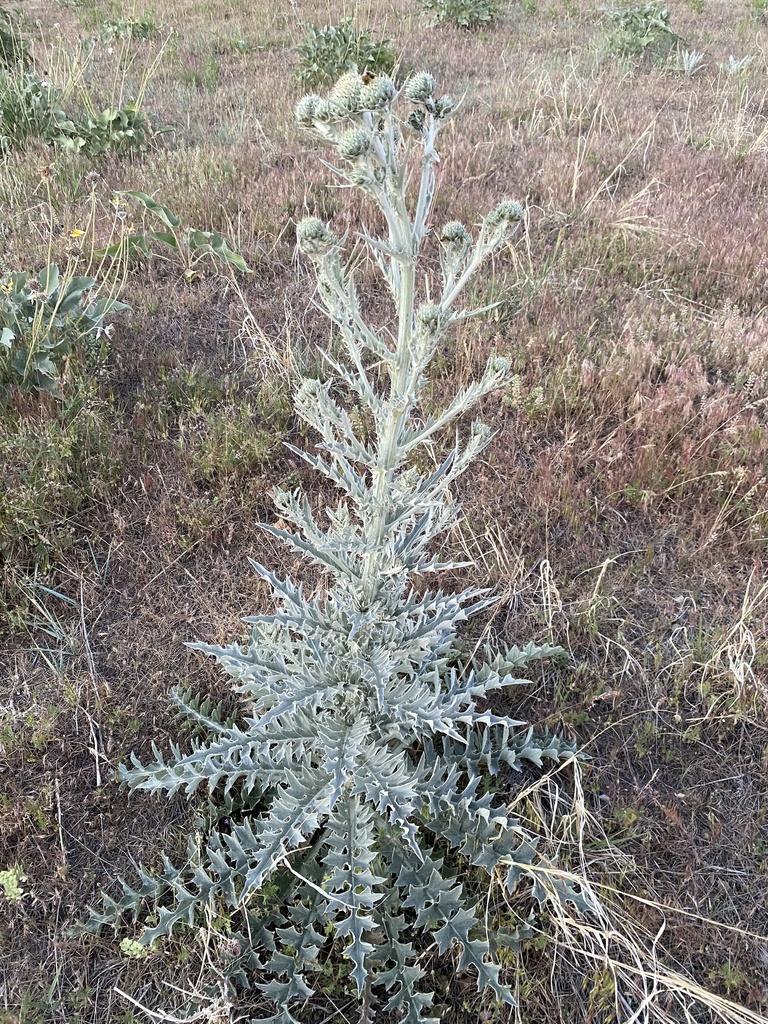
(13, 49)
(469, 14)
(190, 246)
(42, 320)
(326, 53)
(116, 30)
(29, 108)
(640, 29)
(119, 131)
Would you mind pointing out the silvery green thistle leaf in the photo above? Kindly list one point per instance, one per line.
(420, 88)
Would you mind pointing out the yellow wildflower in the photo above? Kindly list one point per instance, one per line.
(76, 233)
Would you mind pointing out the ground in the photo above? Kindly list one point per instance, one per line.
(621, 509)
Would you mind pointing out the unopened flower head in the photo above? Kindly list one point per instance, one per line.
(429, 316)
(324, 111)
(419, 89)
(354, 144)
(455, 236)
(314, 237)
(507, 212)
(417, 121)
(444, 106)
(306, 110)
(345, 95)
(378, 94)
(361, 176)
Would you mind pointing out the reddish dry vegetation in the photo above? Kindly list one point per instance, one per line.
(621, 509)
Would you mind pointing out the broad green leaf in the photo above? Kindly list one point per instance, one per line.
(213, 242)
(49, 279)
(169, 219)
(99, 309)
(221, 248)
(130, 245)
(165, 236)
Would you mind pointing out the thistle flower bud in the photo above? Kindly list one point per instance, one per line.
(428, 317)
(346, 94)
(417, 121)
(378, 94)
(455, 238)
(314, 237)
(306, 110)
(419, 89)
(354, 144)
(507, 212)
(444, 106)
(361, 177)
(323, 111)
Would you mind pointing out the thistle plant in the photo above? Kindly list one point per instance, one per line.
(355, 780)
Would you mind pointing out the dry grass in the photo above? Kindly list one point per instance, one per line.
(621, 511)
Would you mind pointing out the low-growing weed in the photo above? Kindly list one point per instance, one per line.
(469, 14)
(11, 880)
(228, 442)
(56, 458)
(639, 30)
(124, 28)
(122, 131)
(190, 245)
(326, 53)
(42, 320)
(13, 49)
(29, 108)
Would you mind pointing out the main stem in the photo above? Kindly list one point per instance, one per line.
(397, 412)
(399, 403)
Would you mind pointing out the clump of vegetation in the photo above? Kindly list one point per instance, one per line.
(641, 29)
(469, 14)
(357, 772)
(120, 131)
(13, 49)
(115, 30)
(42, 320)
(29, 108)
(189, 245)
(57, 456)
(10, 883)
(326, 53)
